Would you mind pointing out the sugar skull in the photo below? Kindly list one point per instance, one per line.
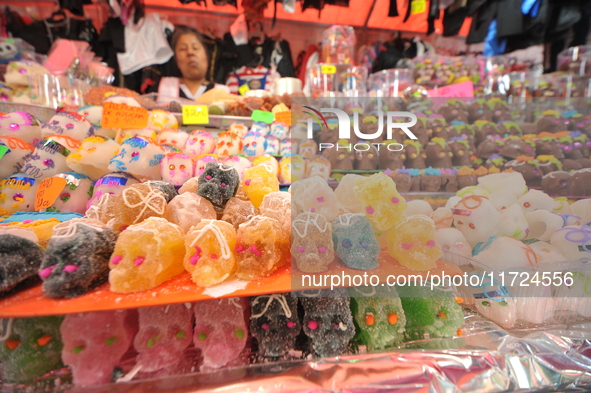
(271, 145)
(92, 113)
(164, 333)
(69, 124)
(412, 243)
(199, 142)
(253, 145)
(147, 132)
(366, 157)
(355, 241)
(74, 195)
(218, 183)
(20, 125)
(298, 168)
(177, 168)
(112, 183)
(328, 323)
(170, 149)
(287, 147)
(238, 128)
(439, 154)
(49, 156)
(18, 193)
(88, 337)
(93, 156)
(12, 156)
(274, 323)
(238, 162)
(279, 130)
(160, 119)
(259, 126)
(318, 166)
(308, 148)
(267, 160)
(172, 136)
(285, 170)
(121, 99)
(314, 195)
(18, 72)
(437, 126)
(312, 247)
(392, 155)
(229, 144)
(415, 154)
(139, 156)
(477, 218)
(202, 162)
(461, 151)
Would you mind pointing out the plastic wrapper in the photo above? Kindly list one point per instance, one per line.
(338, 45)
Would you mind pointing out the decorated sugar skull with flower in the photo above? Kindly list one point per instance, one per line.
(280, 130)
(20, 125)
(259, 126)
(202, 162)
(74, 195)
(229, 144)
(238, 128)
(199, 142)
(177, 168)
(17, 193)
(12, 155)
(49, 157)
(172, 136)
(93, 156)
(140, 157)
(69, 124)
(271, 145)
(253, 145)
(287, 147)
(238, 162)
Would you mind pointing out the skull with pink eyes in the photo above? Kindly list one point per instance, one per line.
(69, 124)
(177, 168)
(240, 163)
(139, 156)
(279, 130)
(199, 142)
(49, 157)
(318, 166)
(172, 136)
(308, 148)
(287, 147)
(271, 145)
(20, 125)
(253, 145)
(12, 160)
(202, 163)
(229, 144)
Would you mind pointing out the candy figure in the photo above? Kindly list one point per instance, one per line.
(147, 133)
(258, 182)
(384, 206)
(267, 160)
(140, 261)
(355, 241)
(574, 241)
(346, 195)
(253, 145)
(74, 195)
(49, 157)
(287, 147)
(238, 162)
(221, 330)
(318, 166)
(238, 211)
(415, 155)
(92, 113)
(260, 248)
(160, 120)
(439, 154)
(476, 217)
(112, 183)
(391, 155)
(32, 348)
(274, 323)
(209, 253)
(95, 342)
(314, 195)
(18, 193)
(188, 209)
(93, 156)
(20, 125)
(12, 159)
(140, 157)
(138, 202)
(199, 142)
(504, 253)
(177, 168)
(534, 200)
(202, 162)
(164, 333)
(77, 258)
(308, 148)
(277, 205)
(229, 144)
(412, 243)
(21, 259)
(328, 324)
(298, 168)
(271, 145)
(172, 136)
(451, 239)
(238, 128)
(218, 183)
(312, 244)
(69, 124)
(279, 130)
(285, 170)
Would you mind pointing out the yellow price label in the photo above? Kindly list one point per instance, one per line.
(195, 114)
(328, 69)
(418, 7)
(243, 89)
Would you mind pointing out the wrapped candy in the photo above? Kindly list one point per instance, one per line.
(199, 142)
(383, 205)
(355, 241)
(20, 125)
(74, 195)
(476, 217)
(229, 144)
(140, 157)
(177, 168)
(18, 193)
(12, 160)
(172, 136)
(159, 120)
(93, 156)
(70, 124)
(312, 243)
(240, 163)
(258, 182)
(412, 243)
(188, 209)
(49, 157)
(314, 195)
(274, 323)
(21, 259)
(253, 145)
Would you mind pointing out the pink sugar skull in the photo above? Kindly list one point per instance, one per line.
(49, 157)
(199, 142)
(202, 162)
(229, 144)
(172, 136)
(69, 124)
(239, 129)
(271, 145)
(240, 163)
(20, 125)
(177, 168)
(12, 160)
(253, 145)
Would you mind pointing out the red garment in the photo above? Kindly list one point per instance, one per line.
(312, 48)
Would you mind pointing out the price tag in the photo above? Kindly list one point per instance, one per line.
(265, 117)
(49, 190)
(109, 94)
(418, 7)
(3, 150)
(283, 117)
(195, 114)
(243, 89)
(123, 116)
(464, 89)
(328, 69)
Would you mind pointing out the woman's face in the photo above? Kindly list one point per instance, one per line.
(191, 57)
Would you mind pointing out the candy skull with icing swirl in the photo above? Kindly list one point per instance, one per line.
(69, 124)
(93, 156)
(259, 126)
(199, 142)
(253, 145)
(49, 157)
(172, 136)
(20, 125)
(139, 156)
(271, 145)
(280, 130)
(17, 193)
(287, 147)
(229, 144)
(12, 156)
(177, 168)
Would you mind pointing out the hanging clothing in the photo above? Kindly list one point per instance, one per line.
(42, 34)
(171, 87)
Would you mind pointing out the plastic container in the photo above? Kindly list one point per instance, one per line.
(389, 83)
(338, 45)
(575, 60)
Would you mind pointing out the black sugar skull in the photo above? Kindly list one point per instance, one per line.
(218, 183)
(20, 261)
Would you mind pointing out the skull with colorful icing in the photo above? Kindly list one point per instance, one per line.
(280, 130)
(112, 183)
(160, 119)
(93, 156)
(267, 160)
(238, 162)
(49, 157)
(202, 162)
(253, 145)
(298, 168)
(17, 193)
(69, 124)
(318, 166)
(229, 144)
(271, 145)
(139, 156)
(143, 132)
(170, 149)
(92, 113)
(239, 129)
(121, 99)
(20, 125)
(177, 168)
(199, 142)
(74, 195)
(18, 72)
(12, 160)
(259, 126)
(285, 170)
(172, 136)
(287, 147)
(308, 148)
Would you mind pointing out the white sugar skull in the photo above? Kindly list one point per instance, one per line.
(147, 132)
(285, 170)
(172, 136)
(199, 142)
(308, 148)
(69, 124)
(453, 240)
(476, 217)
(17, 193)
(271, 145)
(240, 163)
(203, 161)
(112, 183)
(49, 157)
(259, 126)
(93, 156)
(229, 144)
(267, 160)
(280, 130)
(177, 168)
(20, 125)
(12, 160)
(18, 72)
(287, 147)
(170, 149)
(160, 119)
(139, 156)
(318, 166)
(238, 128)
(92, 113)
(253, 145)
(298, 168)
(75, 194)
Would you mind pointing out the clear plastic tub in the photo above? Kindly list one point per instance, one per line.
(575, 60)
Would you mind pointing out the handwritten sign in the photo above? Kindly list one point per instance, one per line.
(283, 117)
(464, 89)
(123, 116)
(195, 114)
(265, 117)
(328, 69)
(3, 150)
(243, 89)
(49, 190)
(418, 7)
